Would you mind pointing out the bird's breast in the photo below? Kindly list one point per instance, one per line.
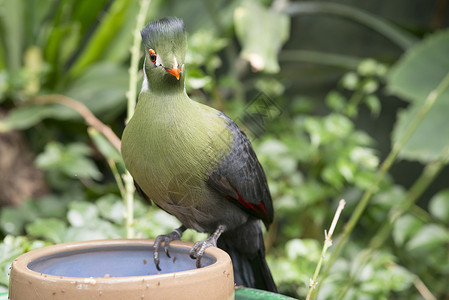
(170, 155)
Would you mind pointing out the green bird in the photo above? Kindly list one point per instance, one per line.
(195, 163)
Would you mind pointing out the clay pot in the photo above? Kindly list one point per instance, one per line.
(120, 269)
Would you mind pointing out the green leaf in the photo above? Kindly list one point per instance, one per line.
(70, 160)
(203, 46)
(273, 148)
(303, 248)
(429, 237)
(62, 43)
(25, 117)
(404, 228)
(50, 206)
(112, 208)
(350, 81)
(86, 12)
(12, 30)
(96, 230)
(10, 248)
(82, 213)
(51, 229)
(262, 32)
(374, 105)
(416, 74)
(13, 219)
(86, 223)
(103, 35)
(336, 101)
(105, 147)
(439, 206)
(196, 79)
(368, 67)
(102, 88)
(118, 49)
(330, 128)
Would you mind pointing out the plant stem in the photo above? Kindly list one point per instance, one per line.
(354, 101)
(129, 203)
(132, 96)
(90, 119)
(117, 177)
(387, 163)
(400, 37)
(423, 290)
(135, 56)
(327, 244)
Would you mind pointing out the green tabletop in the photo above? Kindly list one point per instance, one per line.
(253, 294)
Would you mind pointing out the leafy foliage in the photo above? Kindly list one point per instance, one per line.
(311, 146)
(415, 76)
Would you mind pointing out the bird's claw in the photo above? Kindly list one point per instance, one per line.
(197, 251)
(166, 238)
(198, 248)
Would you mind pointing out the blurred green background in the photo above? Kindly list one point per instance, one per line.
(327, 91)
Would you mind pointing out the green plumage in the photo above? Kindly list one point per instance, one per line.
(195, 163)
(170, 147)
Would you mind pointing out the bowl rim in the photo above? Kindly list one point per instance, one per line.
(20, 264)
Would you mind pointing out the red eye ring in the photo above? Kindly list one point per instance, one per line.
(152, 55)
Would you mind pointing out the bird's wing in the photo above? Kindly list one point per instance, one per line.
(241, 179)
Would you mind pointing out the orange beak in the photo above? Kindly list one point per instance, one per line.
(174, 71)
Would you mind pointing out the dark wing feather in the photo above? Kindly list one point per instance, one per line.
(241, 179)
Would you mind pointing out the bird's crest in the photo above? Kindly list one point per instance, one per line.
(167, 28)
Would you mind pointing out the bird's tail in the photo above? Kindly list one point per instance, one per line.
(247, 251)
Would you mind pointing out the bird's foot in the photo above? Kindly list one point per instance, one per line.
(198, 248)
(166, 238)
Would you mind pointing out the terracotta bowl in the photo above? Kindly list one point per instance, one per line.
(120, 269)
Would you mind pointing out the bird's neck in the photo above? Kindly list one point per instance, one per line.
(160, 109)
(163, 85)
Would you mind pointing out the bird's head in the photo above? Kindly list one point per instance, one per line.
(165, 50)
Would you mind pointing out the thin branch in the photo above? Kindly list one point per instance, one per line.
(135, 56)
(327, 244)
(117, 177)
(83, 110)
(340, 207)
(132, 95)
(423, 290)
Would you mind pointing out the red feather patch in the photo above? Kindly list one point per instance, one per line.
(259, 209)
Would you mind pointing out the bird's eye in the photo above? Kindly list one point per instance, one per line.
(152, 55)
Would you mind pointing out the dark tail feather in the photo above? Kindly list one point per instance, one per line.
(247, 251)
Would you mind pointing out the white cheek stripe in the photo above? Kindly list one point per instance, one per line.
(158, 61)
(145, 80)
